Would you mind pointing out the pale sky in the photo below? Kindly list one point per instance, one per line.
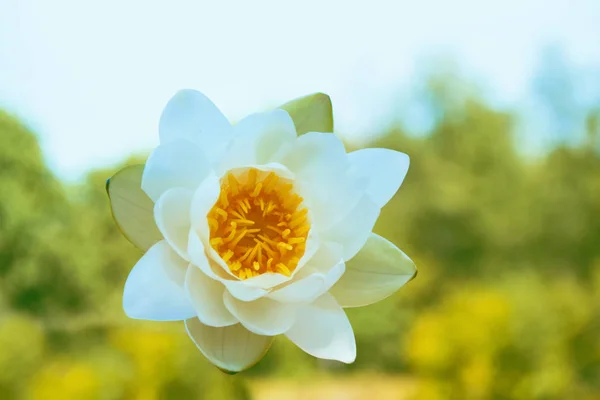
(91, 77)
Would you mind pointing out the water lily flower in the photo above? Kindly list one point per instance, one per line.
(258, 229)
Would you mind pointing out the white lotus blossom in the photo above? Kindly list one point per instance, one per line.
(258, 229)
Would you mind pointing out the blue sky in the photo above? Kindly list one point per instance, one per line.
(91, 77)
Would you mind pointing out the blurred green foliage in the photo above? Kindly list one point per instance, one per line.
(506, 304)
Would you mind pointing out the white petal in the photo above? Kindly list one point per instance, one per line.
(266, 280)
(385, 170)
(320, 163)
(328, 255)
(132, 208)
(313, 154)
(191, 116)
(333, 197)
(301, 291)
(317, 277)
(263, 316)
(206, 295)
(176, 164)
(172, 214)
(323, 330)
(354, 229)
(257, 137)
(232, 348)
(377, 271)
(334, 274)
(205, 197)
(281, 170)
(151, 292)
(241, 291)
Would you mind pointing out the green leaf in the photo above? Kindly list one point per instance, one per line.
(312, 113)
(132, 209)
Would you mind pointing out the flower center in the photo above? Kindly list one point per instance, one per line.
(258, 224)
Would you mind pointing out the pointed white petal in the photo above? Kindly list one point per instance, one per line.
(314, 154)
(152, 292)
(263, 316)
(132, 208)
(206, 295)
(323, 330)
(321, 165)
(176, 164)
(172, 214)
(384, 169)
(257, 137)
(231, 348)
(377, 271)
(354, 229)
(190, 115)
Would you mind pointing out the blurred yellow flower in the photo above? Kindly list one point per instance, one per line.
(61, 380)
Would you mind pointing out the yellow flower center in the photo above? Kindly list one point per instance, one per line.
(258, 224)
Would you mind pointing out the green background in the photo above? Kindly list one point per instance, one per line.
(505, 306)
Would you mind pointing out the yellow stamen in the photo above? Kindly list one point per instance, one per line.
(227, 255)
(224, 200)
(256, 190)
(233, 184)
(216, 241)
(244, 221)
(246, 254)
(257, 225)
(222, 213)
(239, 237)
(303, 230)
(252, 174)
(213, 224)
(283, 269)
(274, 229)
(236, 265)
(282, 245)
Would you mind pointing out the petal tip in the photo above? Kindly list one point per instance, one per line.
(228, 372)
(349, 360)
(414, 274)
(313, 112)
(322, 97)
(106, 185)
